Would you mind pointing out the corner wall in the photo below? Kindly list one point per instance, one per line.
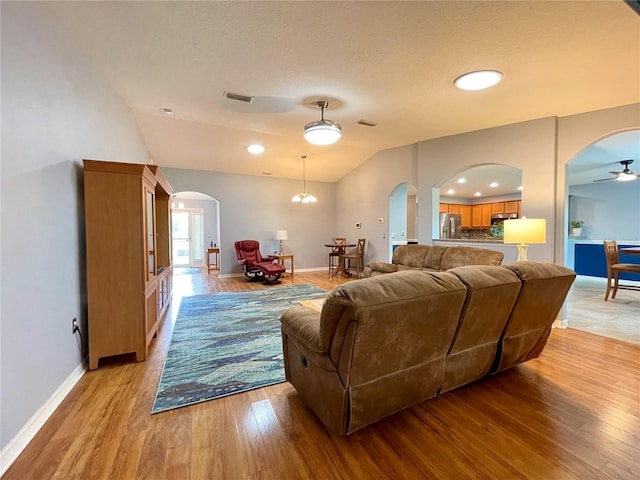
(55, 111)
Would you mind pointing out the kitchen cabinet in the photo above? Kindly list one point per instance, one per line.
(476, 216)
(497, 208)
(454, 208)
(465, 216)
(479, 215)
(512, 207)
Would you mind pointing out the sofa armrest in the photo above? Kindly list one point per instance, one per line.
(303, 324)
(383, 267)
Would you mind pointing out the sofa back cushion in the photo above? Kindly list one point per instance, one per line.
(544, 288)
(434, 257)
(458, 256)
(491, 295)
(410, 255)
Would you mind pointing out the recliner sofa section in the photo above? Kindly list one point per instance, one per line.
(385, 343)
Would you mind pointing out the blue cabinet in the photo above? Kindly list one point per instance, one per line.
(590, 260)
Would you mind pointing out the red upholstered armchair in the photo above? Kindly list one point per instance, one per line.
(256, 267)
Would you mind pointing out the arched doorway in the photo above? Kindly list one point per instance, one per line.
(403, 216)
(195, 226)
(604, 207)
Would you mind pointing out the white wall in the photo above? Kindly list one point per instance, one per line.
(609, 210)
(55, 112)
(253, 207)
(529, 146)
(575, 133)
(363, 196)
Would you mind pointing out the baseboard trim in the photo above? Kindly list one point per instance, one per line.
(18, 443)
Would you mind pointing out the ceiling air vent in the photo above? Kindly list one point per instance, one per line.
(237, 96)
(367, 123)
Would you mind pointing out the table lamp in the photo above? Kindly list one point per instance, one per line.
(525, 231)
(281, 235)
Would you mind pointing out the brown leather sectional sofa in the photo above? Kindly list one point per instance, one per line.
(433, 258)
(383, 344)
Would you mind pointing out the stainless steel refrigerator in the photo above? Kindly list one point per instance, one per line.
(450, 225)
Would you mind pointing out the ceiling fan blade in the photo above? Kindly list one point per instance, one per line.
(604, 180)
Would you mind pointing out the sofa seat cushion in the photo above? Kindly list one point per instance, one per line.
(402, 268)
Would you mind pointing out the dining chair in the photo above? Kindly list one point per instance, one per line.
(334, 254)
(356, 256)
(615, 268)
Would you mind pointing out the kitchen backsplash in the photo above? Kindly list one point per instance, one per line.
(476, 233)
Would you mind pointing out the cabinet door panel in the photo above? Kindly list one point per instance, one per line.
(454, 208)
(486, 214)
(497, 207)
(465, 216)
(511, 207)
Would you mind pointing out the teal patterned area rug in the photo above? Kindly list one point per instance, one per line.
(226, 343)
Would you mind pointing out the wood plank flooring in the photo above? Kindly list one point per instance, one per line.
(574, 413)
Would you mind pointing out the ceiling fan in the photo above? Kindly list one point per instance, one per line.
(624, 176)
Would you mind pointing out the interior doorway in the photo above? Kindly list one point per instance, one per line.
(403, 216)
(188, 237)
(195, 228)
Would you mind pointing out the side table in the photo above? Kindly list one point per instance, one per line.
(282, 258)
(215, 265)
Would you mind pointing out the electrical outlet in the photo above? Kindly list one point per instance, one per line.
(358, 225)
(381, 220)
(74, 326)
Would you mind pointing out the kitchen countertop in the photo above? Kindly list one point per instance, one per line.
(470, 240)
(588, 241)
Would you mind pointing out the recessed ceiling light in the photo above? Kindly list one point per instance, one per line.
(450, 191)
(493, 184)
(256, 149)
(478, 80)
(520, 188)
(461, 180)
(477, 194)
(167, 111)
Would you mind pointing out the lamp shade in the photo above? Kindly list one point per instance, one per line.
(525, 230)
(323, 132)
(281, 235)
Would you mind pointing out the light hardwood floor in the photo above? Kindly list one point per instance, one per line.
(573, 413)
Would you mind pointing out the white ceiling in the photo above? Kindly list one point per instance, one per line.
(389, 62)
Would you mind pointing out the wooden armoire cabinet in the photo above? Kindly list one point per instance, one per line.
(128, 243)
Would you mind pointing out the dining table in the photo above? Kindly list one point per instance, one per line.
(629, 251)
(340, 248)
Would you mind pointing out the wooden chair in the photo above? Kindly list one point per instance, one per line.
(357, 256)
(334, 254)
(614, 268)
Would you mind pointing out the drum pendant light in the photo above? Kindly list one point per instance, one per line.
(322, 132)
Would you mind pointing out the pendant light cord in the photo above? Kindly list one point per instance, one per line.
(304, 174)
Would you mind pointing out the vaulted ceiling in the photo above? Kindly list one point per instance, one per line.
(387, 62)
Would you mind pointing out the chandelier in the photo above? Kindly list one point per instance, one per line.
(303, 196)
(322, 132)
